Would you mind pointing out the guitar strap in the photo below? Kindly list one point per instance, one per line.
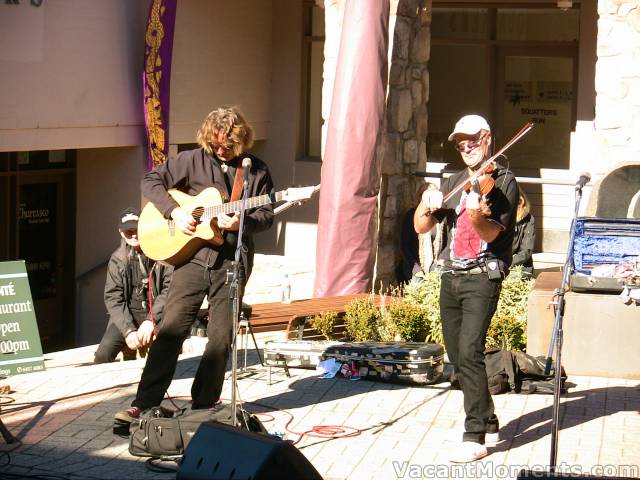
(236, 192)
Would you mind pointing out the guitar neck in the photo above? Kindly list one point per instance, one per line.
(235, 206)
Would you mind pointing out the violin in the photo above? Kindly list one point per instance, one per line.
(485, 185)
(482, 186)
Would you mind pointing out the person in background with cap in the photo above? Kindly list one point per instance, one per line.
(524, 237)
(478, 231)
(224, 137)
(134, 293)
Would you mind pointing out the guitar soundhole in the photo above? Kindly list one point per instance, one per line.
(197, 213)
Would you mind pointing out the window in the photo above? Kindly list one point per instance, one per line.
(511, 65)
(312, 64)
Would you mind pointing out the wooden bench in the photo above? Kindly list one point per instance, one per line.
(293, 317)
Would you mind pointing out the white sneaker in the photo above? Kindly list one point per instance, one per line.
(491, 439)
(466, 452)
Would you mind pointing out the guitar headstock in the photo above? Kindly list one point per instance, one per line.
(296, 194)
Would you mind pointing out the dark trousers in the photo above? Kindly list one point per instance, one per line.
(112, 343)
(189, 284)
(467, 304)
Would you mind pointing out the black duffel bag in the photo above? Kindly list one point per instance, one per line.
(157, 435)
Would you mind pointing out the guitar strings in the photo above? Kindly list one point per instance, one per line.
(214, 211)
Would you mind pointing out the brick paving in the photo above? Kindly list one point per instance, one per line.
(63, 419)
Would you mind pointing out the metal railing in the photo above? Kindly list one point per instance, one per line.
(524, 180)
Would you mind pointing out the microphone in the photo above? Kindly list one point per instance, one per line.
(585, 177)
(246, 166)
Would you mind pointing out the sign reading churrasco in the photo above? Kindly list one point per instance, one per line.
(20, 347)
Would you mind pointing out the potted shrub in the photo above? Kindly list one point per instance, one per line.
(324, 323)
(509, 325)
(362, 320)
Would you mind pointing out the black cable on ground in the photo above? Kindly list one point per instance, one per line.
(153, 465)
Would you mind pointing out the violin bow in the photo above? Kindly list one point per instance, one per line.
(523, 131)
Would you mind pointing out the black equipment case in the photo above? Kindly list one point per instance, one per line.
(405, 362)
(166, 435)
(612, 243)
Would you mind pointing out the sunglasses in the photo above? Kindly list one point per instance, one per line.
(227, 146)
(468, 145)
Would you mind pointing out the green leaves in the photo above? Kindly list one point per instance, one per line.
(426, 293)
(413, 314)
(508, 328)
(324, 323)
(361, 320)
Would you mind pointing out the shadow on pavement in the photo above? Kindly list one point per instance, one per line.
(576, 408)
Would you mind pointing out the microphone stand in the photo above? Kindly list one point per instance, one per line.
(556, 337)
(234, 299)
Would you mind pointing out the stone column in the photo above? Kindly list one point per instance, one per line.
(403, 146)
(617, 121)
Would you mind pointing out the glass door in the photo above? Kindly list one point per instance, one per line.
(40, 244)
(538, 85)
(37, 212)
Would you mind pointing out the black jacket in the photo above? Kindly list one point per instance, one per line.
(523, 241)
(502, 200)
(409, 248)
(118, 289)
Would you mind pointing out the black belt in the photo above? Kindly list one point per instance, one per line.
(464, 268)
(468, 271)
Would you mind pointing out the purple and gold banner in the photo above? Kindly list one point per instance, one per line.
(156, 78)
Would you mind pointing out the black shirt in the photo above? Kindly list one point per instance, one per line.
(193, 171)
(502, 200)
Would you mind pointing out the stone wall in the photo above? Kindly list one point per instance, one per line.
(403, 146)
(617, 122)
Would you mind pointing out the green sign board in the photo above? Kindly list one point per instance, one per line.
(20, 348)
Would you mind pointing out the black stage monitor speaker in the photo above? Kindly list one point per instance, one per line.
(544, 475)
(219, 451)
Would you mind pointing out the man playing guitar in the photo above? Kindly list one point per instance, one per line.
(224, 136)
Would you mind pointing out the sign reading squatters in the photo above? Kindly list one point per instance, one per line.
(20, 348)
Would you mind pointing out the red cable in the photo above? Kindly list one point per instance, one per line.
(318, 431)
(150, 295)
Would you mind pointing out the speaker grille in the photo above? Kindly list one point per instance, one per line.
(219, 451)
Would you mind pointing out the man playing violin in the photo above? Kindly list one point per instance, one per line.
(224, 137)
(479, 221)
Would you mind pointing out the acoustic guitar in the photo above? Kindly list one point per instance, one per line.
(160, 238)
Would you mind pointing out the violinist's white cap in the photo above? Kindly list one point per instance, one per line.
(470, 125)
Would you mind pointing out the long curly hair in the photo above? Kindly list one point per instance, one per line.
(231, 124)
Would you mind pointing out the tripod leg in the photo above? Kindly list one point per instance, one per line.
(255, 344)
(6, 434)
(245, 346)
